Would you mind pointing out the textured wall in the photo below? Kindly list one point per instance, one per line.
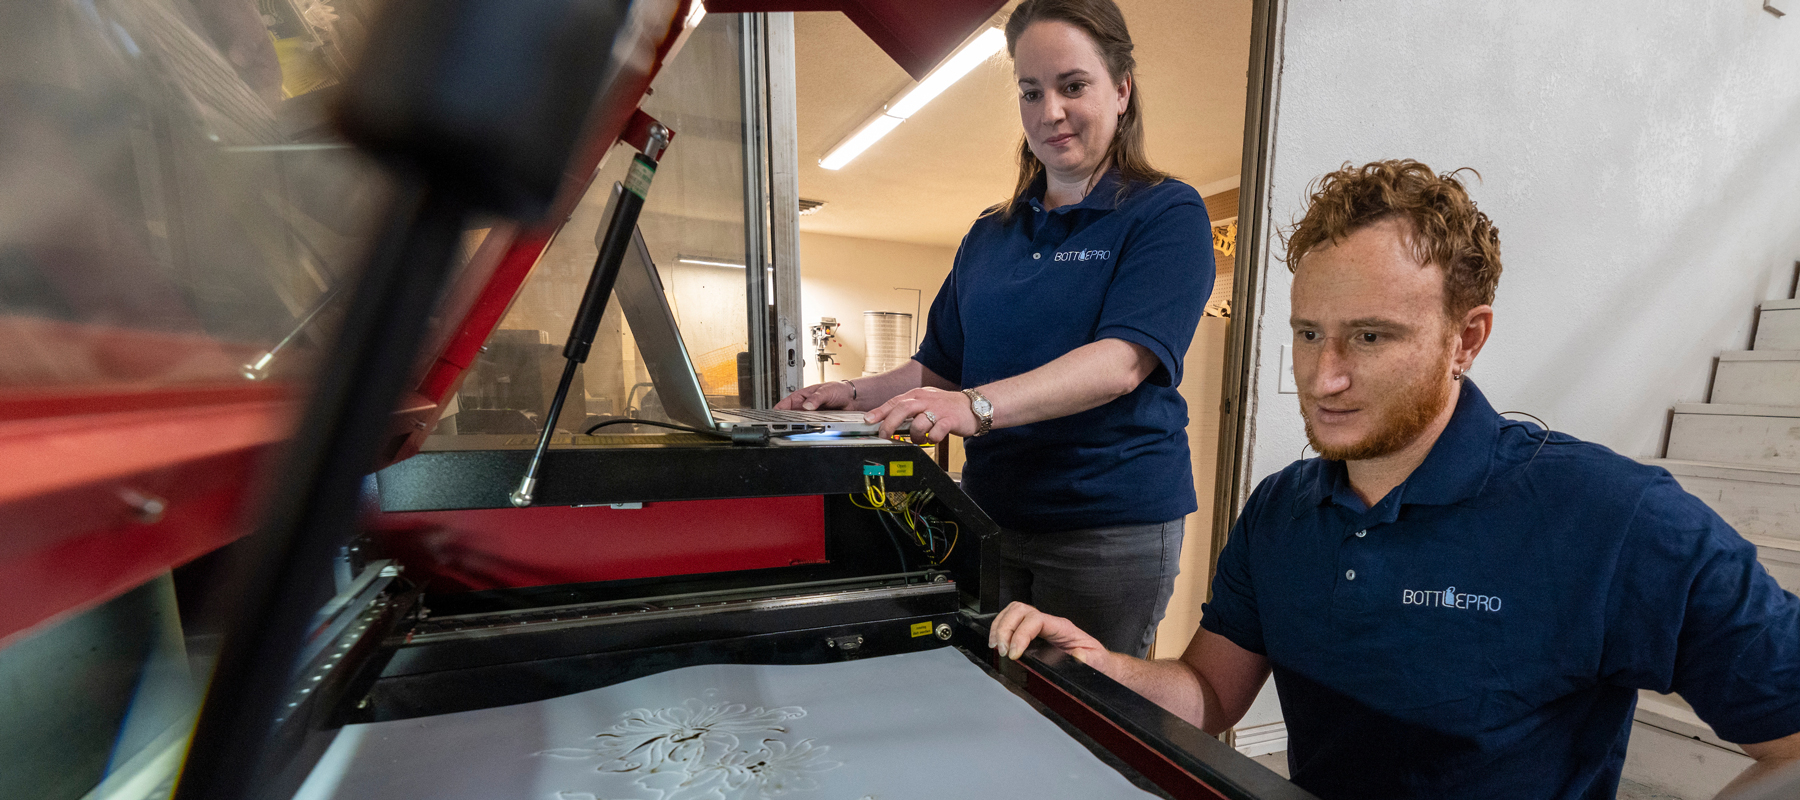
(1641, 159)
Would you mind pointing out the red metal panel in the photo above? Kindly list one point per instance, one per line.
(917, 34)
(511, 547)
(72, 489)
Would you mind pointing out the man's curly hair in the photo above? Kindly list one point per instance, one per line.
(1443, 225)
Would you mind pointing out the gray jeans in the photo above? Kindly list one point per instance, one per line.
(1113, 583)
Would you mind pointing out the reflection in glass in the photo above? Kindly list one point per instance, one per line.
(694, 213)
(172, 203)
(175, 213)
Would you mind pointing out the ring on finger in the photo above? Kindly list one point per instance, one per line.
(931, 417)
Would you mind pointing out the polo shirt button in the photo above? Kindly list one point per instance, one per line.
(1037, 255)
(1361, 534)
(1349, 574)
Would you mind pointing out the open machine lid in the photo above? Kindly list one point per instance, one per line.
(152, 354)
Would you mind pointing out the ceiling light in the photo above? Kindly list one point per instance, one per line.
(870, 133)
(708, 262)
(949, 71)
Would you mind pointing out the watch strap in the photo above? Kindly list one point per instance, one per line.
(984, 422)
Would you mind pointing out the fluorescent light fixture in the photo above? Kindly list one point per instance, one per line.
(708, 262)
(870, 133)
(949, 71)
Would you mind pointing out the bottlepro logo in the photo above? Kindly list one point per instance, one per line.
(1084, 255)
(1449, 598)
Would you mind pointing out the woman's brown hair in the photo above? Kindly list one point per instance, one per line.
(1103, 23)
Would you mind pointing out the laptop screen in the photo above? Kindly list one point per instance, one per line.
(639, 293)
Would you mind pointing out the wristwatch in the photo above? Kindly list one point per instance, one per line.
(984, 412)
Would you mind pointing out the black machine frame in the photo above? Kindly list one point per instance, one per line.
(423, 654)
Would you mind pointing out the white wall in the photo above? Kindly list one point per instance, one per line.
(842, 277)
(1641, 159)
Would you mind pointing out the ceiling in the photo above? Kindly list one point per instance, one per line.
(928, 179)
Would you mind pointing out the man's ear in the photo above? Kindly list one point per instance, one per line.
(1472, 333)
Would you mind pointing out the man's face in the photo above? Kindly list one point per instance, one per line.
(1372, 348)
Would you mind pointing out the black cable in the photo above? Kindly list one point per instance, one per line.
(670, 425)
(1541, 424)
(892, 538)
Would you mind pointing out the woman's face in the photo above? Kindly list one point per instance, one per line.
(1068, 101)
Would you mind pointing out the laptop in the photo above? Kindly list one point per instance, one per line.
(639, 293)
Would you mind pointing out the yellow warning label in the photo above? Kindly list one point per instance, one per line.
(899, 469)
(921, 629)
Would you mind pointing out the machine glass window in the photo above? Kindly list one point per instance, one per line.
(177, 208)
(693, 231)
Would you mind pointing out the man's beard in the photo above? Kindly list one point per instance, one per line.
(1419, 403)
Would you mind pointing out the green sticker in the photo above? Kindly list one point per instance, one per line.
(637, 180)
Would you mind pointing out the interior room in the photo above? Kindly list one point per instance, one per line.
(452, 401)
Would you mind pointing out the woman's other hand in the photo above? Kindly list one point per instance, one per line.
(935, 414)
(833, 395)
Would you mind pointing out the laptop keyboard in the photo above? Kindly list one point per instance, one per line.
(770, 415)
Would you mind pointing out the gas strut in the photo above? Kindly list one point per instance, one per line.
(599, 288)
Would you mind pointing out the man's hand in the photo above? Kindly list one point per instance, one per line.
(1018, 624)
(935, 414)
(1779, 757)
(836, 394)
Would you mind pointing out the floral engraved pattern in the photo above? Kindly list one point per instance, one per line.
(704, 751)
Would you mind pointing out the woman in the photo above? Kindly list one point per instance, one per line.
(1056, 343)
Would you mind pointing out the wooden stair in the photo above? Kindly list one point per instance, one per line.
(1740, 453)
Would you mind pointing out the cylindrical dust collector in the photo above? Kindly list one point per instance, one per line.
(887, 338)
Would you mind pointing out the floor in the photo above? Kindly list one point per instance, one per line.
(1628, 790)
(1632, 790)
(1278, 762)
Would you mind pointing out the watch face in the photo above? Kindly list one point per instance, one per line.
(982, 406)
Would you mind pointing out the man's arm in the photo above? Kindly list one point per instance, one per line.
(1771, 757)
(1087, 377)
(1212, 685)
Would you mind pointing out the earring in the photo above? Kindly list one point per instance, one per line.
(1456, 375)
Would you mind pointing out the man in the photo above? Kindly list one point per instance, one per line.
(1455, 605)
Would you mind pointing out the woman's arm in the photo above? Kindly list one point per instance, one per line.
(867, 392)
(1087, 377)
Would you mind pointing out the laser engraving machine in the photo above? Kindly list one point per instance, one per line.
(236, 524)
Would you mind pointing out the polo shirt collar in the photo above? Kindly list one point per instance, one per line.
(1455, 470)
(1103, 197)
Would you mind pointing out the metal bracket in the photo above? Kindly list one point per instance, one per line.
(848, 645)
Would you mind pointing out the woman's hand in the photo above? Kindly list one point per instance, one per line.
(935, 414)
(833, 395)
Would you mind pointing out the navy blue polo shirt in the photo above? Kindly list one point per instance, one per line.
(1483, 630)
(1027, 290)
